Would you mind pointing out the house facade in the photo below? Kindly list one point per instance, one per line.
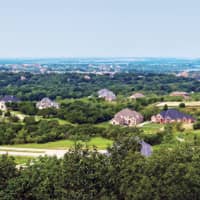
(172, 115)
(46, 103)
(127, 117)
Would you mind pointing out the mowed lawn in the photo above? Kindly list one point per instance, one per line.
(152, 128)
(20, 160)
(99, 142)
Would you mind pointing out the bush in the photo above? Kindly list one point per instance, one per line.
(196, 125)
(181, 105)
(14, 119)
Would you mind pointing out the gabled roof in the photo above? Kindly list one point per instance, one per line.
(10, 98)
(137, 95)
(46, 100)
(175, 114)
(128, 113)
(179, 93)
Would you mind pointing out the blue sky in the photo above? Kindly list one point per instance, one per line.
(89, 28)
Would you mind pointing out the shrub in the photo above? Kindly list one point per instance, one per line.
(181, 105)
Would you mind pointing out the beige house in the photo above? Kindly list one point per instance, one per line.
(46, 103)
(87, 77)
(127, 117)
(3, 106)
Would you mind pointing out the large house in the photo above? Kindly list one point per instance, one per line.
(172, 115)
(10, 99)
(136, 96)
(46, 103)
(3, 106)
(106, 94)
(127, 117)
(185, 95)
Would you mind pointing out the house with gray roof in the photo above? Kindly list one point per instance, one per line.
(10, 99)
(172, 115)
(106, 94)
(127, 117)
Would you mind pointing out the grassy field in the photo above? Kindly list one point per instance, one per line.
(152, 128)
(21, 160)
(98, 142)
(37, 118)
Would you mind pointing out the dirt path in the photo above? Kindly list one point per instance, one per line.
(32, 152)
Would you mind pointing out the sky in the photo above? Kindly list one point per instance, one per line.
(99, 28)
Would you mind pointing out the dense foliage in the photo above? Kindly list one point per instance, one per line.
(121, 174)
(42, 131)
(71, 85)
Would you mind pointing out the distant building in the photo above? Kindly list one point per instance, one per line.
(22, 78)
(183, 74)
(46, 103)
(127, 117)
(10, 99)
(185, 95)
(172, 115)
(3, 106)
(136, 96)
(87, 77)
(106, 94)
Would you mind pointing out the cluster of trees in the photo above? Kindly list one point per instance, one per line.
(32, 131)
(42, 131)
(87, 111)
(122, 174)
(69, 85)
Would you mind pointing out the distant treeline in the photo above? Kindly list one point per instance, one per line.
(71, 85)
